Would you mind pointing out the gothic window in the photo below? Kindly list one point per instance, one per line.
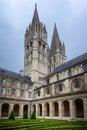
(85, 67)
(48, 90)
(47, 80)
(38, 92)
(60, 88)
(69, 73)
(39, 45)
(31, 44)
(4, 80)
(13, 92)
(27, 47)
(43, 47)
(54, 59)
(77, 83)
(50, 61)
(57, 77)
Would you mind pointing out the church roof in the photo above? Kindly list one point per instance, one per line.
(15, 75)
(75, 61)
(55, 43)
(35, 16)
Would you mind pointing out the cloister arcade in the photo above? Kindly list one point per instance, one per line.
(67, 109)
(18, 110)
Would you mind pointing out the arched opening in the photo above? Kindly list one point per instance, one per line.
(79, 108)
(66, 108)
(47, 109)
(5, 110)
(56, 109)
(16, 110)
(40, 109)
(34, 108)
(25, 109)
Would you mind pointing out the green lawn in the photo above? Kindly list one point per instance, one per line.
(42, 124)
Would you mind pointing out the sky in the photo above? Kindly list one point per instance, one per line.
(70, 17)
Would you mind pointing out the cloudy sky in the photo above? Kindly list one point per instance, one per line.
(70, 17)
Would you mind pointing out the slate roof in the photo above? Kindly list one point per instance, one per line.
(75, 61)
(15, 75)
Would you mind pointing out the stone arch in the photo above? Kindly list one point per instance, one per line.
(34, 108)
(56, 108)
(25, 109)
(66, 107)
(5, 110)
(16, 109)
(47, 109)
(79, 108)
(40, 109)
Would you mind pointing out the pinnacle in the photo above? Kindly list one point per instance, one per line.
(35, 16)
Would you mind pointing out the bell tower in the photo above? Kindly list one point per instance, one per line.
(35, 59)
(57, 54)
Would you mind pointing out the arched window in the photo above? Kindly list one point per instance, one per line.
(60, 87)
(54, 59)
(57, 77)
(48, 90)
(38, 92)
(69, 73)
(77, 83)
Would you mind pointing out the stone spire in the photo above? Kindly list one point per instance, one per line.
(55, 43)
(35, 16)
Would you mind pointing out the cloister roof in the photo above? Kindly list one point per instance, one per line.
(68, 64)
(15, 75)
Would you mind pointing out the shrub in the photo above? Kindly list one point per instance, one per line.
(25, 116)
(33, 116)
(11, 116)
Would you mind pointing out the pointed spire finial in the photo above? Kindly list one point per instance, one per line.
(35, 5)
(35, 16)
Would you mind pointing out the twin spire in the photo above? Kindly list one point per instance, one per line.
(55, 43)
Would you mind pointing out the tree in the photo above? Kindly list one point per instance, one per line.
(25, 116)
(33, 116)
(11, 116)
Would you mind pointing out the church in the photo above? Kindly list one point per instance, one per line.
(49, 84)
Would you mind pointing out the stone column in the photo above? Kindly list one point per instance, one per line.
(60, 109)
(51, 109)
(85, 108)
(21, 111)
(72, 109)
(43, 110)
(36, 110)
(11, 108)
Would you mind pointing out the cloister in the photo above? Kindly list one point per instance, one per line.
(62, 109)
(67, 109)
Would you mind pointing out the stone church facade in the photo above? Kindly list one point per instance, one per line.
(57, 88)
